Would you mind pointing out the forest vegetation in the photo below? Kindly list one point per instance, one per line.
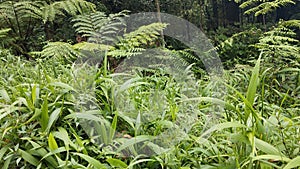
(65, 104)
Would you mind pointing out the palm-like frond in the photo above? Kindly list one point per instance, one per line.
(60, 51)
(3, 33)
(281, 41)
(259, 7)
(74, 7)
(144, 35)
(98, 27)
(41, 10)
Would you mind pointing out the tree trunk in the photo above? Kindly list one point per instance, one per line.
(159, 20)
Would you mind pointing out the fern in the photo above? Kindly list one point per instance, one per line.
(281, 41)
(74, 7)
(60, 51)
(118, 53)
(41, 10)
(4, 33)
(259, 7)
(98, 27)
(144, 35)
(4, 38)
(102, 29)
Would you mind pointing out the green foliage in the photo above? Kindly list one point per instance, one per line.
(237, 48)
(98, 27)
(41, 10)
(280, 42)
(24, 19)
(59, 52)
(264, 7)
(48, 105)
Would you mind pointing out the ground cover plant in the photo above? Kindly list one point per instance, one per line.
(67, 104)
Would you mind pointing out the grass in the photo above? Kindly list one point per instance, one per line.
(146, 121)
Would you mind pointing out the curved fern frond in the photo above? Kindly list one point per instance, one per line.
(118, 53)
(74, 7)
(281, 41)
(60, 51)
(259, 7)
(41, 10)
(92, 46)
(98, 27)
(4, 33)
(6, 10)
(89, 24)
(144, 35)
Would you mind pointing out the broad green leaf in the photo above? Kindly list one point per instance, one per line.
(7, 162)
(80, 143)
(134, 140)
(113, 126)
(44, 114)
(289, 70)
(37, 113)
(28, 157)
(85, 116)
(266, 147)
(133, 163)
(3, 151)
(53, 117)
(295, 162)
(62, 85)
(272, 157)
(4, 95)
(131, 83)
(57, 151)
(91, 161)
(116, 163)
(212, 100)
(252, 88)
(42, 152)
(64, 136)
(34, 94)
(222, 126)
(52, 143)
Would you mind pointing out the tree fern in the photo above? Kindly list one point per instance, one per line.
(259, 7)
(42, 10)
(74, 7)
(102, 29)
(98, 27)
(24, 19)
(48, 12)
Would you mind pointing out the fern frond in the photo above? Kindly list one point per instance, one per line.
(280, 41)
(259, 7)
(118, 53)
(42, 10)
(88, 24)
(6, 10)
(59, 51)
(4, 33)
(98, 27)
(74, 7)
(92, 46)
(144, 35)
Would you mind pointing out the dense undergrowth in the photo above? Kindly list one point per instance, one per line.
(60, 110)
(259, 127)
